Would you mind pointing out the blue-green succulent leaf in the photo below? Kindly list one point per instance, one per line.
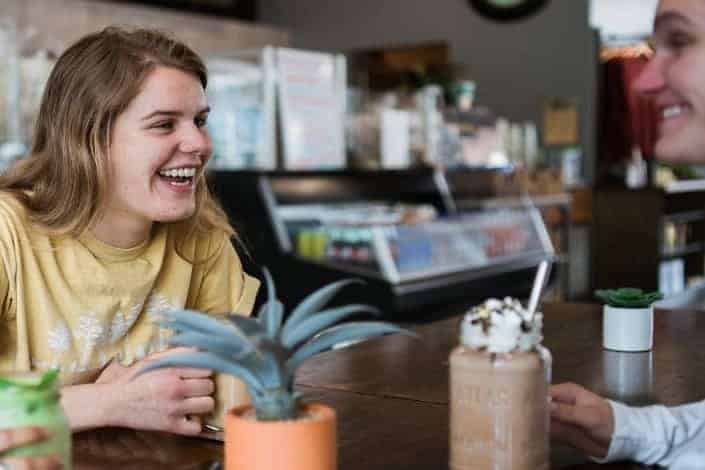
(352, 331)
(192, 321)
(226, 347)
(314, 301)
(271, 288)
(272, 314)
(277, 404)
(205, 360)
(250, 327)
(309, 327)
(271, 372)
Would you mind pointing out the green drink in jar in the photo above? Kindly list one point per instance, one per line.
(33, 400)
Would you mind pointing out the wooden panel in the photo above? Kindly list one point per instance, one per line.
(582, 205)
(626, 238)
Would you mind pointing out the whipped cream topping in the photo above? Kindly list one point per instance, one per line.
(501, 326)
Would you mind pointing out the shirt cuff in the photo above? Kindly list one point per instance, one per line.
(624, 443)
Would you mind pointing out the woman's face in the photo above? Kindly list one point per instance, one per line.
(675, 79)
(159, 148)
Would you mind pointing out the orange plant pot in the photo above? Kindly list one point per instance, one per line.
(305, 444)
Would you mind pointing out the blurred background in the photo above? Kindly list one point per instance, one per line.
(440, 150)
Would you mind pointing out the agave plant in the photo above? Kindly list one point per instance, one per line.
(265, 352)
(627, 297)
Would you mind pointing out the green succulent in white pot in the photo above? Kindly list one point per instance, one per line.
(628, 319)
(265, 352)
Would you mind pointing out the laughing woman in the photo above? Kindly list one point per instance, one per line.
(109, 222)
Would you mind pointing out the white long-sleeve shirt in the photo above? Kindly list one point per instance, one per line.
(673, 437)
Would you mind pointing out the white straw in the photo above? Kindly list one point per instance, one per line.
(537, 288)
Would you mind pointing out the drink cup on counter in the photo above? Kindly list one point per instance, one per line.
(32, 399)
(499, 399)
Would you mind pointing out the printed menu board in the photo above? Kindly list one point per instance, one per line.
(312, 88)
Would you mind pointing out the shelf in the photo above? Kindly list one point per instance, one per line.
(539, 201)
(689, 249)
(685, 186)
(683, 217)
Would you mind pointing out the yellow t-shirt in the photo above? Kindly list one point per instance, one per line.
(76, 304)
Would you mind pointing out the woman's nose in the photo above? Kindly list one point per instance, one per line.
(196, 140)
(652, 77)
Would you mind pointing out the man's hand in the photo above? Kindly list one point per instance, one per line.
(18, 437)
(581, 418)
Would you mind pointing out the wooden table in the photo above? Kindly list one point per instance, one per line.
(391, 394)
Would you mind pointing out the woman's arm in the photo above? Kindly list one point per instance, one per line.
(88, 406)
(167, 400)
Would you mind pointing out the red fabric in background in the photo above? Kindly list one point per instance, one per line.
(627, 119)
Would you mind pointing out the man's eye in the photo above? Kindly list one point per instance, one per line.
(201, 121)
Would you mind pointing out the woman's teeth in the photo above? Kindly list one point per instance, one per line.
(179, 173)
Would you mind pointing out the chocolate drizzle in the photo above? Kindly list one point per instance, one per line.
(485, 323)
(501, 326)
(525, 326)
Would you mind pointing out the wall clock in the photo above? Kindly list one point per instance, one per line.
(507, 10)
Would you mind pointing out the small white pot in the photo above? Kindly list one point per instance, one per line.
(627, 329)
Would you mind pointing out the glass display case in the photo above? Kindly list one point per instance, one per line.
(411, 242)
(392, 229)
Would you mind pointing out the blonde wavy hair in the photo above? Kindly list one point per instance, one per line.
(64, 180)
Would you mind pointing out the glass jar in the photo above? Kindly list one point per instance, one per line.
(499, 409)
(33, 400)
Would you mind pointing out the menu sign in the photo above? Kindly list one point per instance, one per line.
(560, 122)
(312, 89)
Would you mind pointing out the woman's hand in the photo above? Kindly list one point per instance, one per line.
(169, 400)
(161, 400)
(581, 418)
(18, 437)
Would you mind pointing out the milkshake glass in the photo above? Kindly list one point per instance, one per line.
(499, 399)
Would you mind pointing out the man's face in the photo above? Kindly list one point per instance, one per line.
(675, 80)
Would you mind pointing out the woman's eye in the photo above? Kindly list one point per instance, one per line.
(164, 125)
